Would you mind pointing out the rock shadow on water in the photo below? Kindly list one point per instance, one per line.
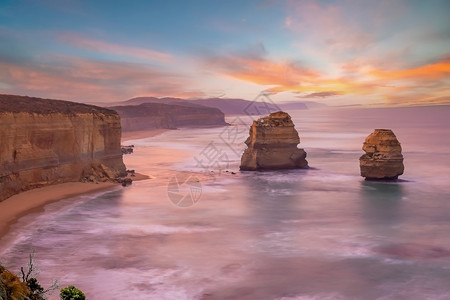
(382, 203)
(273, 196)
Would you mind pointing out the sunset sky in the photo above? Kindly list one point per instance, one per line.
(349, 52)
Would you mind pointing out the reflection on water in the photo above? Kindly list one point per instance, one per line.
(382, 202)
(272, 201)
(322, 233)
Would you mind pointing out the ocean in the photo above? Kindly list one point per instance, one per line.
(201, 229)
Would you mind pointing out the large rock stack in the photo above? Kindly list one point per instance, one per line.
(272, 145)
(383, 158)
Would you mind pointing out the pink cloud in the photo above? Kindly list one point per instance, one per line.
(325, 24)
(338, 26)
(389, 85)
(79, 79)
(114, 49)
(258, 69)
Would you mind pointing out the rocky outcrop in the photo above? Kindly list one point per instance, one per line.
(45, 142)
(272, 144)
(383, 158)
(168, 116)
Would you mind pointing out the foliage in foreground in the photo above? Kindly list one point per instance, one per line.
(27, 287)
(11, 287)
(71, 293)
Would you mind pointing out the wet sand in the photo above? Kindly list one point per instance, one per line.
(17, 206)
(34, 200)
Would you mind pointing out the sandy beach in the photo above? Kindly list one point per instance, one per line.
(34, 200)
(17, 206)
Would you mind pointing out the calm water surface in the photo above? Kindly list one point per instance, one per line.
(322, 233)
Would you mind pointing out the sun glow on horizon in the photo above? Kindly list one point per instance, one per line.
(334, 52)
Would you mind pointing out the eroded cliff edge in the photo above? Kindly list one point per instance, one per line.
(45, 142)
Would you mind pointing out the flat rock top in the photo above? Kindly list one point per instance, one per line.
(151, 108)
(18, 104)
(383, 132)
(382, 140)
(275, 119)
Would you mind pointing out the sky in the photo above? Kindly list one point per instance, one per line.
(348, 52)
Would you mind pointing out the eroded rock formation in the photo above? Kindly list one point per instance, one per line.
(383, 158)
(272, 144)
(45, 142)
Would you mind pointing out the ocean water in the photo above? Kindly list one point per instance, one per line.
(321, 233)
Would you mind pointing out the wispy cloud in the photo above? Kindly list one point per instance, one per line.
(74, 78)
(427, 72)
(256, 68)
(334, 26)
(112, 48)
(289, 76)
(321, 94)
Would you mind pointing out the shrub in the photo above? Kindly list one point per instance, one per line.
(71, 293)
(11, 287)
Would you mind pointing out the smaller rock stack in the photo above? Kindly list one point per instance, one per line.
(272, 144)
(383, 159)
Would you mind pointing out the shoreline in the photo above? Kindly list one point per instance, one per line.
(32, 201)
(141, 134)
(18, 206)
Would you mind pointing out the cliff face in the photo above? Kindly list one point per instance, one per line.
(45, 142)
(272, 144)
(383, 158)
(170, 116)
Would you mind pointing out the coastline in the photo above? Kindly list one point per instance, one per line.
(17, 206)
(20, 205)
(142, 134)
(31, 201)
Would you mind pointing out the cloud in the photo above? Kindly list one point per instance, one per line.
(113, 49)
(427, 72)
(258, 69)
(336, 27)
(79, 79)
(321, 94)
(391, 85)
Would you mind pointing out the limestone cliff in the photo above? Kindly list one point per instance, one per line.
(383, 158)
(272, 144)
(51, 141)
(169, 116)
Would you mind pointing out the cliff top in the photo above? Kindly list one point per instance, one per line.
(18, 104)
(152, 108)
(279, 118)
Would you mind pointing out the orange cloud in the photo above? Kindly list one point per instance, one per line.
(359, 80)
(261, 71)
(283, 76)
(427, 72)
(114, 49)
